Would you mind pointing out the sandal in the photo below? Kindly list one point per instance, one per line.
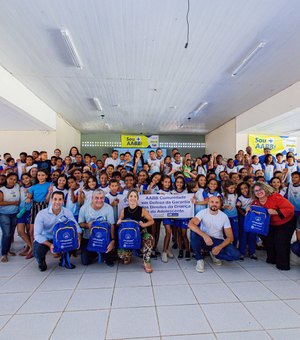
(147, 267)
(4, 259)
(126, 260)
(24, 252)
(12, 253)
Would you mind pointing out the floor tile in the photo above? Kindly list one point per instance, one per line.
(182, 320)
(90, 299)
(11, 302)
(251, 291)
(213, 293)
(294, 304)
(3, 321)
(132, 279)
(174, 295)
(284, 334)
(269, 273)
(40, 302)
(60, 282)
(133, 297)
(234, 275)
(81, 325)
(158, 265)
(273, 314)
(228, 317)
(170, 277)
(284, 289)
(249, 335)
(190, 337)
(17, 284)
(209, 276)
(293, 274)
(97, 280)
(29, 327)
(137, 322)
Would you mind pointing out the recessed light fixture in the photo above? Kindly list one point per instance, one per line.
(97, 104)
(71, 48)
(247, 59)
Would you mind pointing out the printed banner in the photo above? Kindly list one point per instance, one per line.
(139, 141)
(164, 206)
(282, 144)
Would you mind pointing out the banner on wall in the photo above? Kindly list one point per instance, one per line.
(139, 141)
(282, 144)
(163, 206)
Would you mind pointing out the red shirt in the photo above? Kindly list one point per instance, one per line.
(277, 202)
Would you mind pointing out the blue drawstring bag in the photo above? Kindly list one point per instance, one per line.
(129, 235)
(65, 238)
(257, 221)
(99, 238)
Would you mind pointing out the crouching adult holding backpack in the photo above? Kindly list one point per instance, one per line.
(97, 220)
(46, 222)
(137, 219)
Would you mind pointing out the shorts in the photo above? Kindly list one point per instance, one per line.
(181, 223)
(168, 221)
(36, 208)
(25, 218)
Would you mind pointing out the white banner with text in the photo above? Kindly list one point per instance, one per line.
(163, 206)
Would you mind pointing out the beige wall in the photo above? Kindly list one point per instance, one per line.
(15, 142)
(222, 140)
(63, 138)
(66, 136)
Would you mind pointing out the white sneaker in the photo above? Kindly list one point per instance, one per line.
(200, 266)
(215, 261)
(170, 255)
(164, 257)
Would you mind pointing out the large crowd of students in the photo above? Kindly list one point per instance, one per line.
(35, 191)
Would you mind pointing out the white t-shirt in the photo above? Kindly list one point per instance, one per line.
(213, 225)
(114, 162)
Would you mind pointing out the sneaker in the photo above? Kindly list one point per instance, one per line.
(66, 265)
(253, 257)
(187, 255)
(43, 266)
(164, 257)
(170, 255)
(200, 266)
(215, 261)
(180, 254)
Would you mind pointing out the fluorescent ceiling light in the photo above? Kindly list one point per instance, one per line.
(247, 59)
(71, 48)
(197, 110)
(97, 104)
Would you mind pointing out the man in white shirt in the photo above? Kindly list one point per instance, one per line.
(153, 162)
(210, 235)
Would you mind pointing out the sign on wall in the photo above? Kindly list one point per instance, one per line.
(282, 144)
(139, 141)
(163, 206)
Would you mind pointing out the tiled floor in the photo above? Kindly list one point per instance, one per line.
(240, 300)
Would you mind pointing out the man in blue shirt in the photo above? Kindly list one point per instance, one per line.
(88, 213)
(43, 228)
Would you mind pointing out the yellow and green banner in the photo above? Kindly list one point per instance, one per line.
(139, 141)
(277, 144)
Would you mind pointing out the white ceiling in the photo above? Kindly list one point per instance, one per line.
(12, 118)
(136, 64)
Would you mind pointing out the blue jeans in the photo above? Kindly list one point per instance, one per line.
(246, 239)
(40, 251)
(8, 224)
(235, 229)
(295, 247)
(229, 253)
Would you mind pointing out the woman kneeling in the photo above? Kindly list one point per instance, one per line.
(141, 215)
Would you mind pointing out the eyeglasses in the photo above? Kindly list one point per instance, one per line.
(257, 191)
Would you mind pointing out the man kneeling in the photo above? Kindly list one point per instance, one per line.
(210, 235)
(43, 229)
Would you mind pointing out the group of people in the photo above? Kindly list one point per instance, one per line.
(37, 192)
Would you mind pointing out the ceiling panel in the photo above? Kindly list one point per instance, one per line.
(136, 64)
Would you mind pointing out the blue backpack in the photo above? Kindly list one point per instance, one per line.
(257, 221)
(65, 236)
(99, 237)
(129, 235)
